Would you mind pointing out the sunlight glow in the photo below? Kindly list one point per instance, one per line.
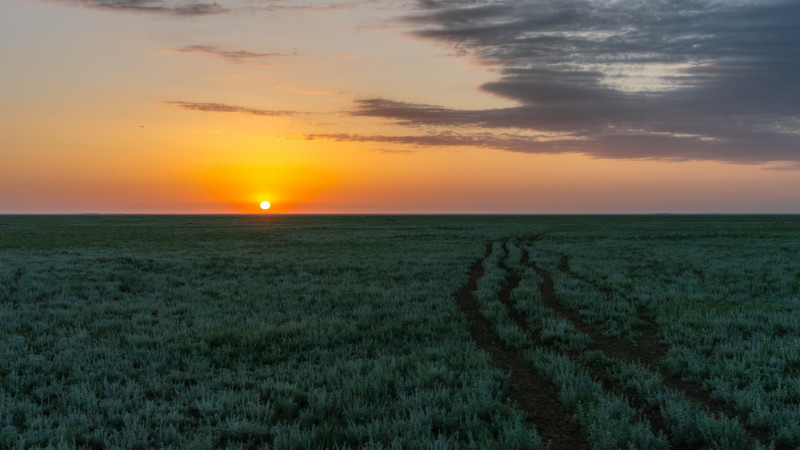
(265, 205)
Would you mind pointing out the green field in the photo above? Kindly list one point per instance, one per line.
(400, 332)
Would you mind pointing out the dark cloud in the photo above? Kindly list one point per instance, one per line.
(173, 7)
(224, 108)
(237, 56)
(594, 134)
(678, 79)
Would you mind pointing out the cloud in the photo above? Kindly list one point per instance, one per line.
(295, 5)
(787, 166)
(592, 134)
(449, 139)
(237, 56)
(677, 79)
(225, 108)
(172, 7)
(504, 141)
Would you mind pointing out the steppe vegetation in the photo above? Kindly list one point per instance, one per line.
(603, 332)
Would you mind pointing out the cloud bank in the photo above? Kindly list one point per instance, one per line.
(661, 79)
(678, 79)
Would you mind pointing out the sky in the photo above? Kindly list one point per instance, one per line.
(402, 106)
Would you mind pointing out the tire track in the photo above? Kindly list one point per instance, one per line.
(652, 413)
(648, 351)
(533, 394)
(653, 348)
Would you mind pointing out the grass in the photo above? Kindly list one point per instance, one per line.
(146, 332)
(343, 332)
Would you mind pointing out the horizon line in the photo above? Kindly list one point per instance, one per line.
(410, 214)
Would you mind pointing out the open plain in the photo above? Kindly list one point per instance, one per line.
(561, 332)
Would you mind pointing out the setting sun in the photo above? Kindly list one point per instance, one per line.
(265, 205)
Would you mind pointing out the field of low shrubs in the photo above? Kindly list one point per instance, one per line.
(355, 331)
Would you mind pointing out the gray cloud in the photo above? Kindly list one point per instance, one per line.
(173, 7)
(583, 132)
(225, 108)
(678, 79)
(237, 56)
(200, 7)
(444, 139)
(793, 166)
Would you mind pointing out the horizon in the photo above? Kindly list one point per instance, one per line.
(427, 107)
(611, 214)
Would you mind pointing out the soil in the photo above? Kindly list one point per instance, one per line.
(531, 393)
(539, 398)
(648, 349)
(652, 413)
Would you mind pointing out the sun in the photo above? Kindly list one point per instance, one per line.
(265, 205)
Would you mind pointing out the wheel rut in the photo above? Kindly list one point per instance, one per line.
(648, 350)
(652, 414)
(538, 397)
(532, 393)
(652, 348)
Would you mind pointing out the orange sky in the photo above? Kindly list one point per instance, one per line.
(118, 110)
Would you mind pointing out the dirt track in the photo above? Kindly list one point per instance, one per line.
(648, 350)
(532, 393)
(538, 397)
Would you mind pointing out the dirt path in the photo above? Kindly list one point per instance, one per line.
(538, 397)
(532, 393)
(653, 414)
(648, 349)
(653, 348)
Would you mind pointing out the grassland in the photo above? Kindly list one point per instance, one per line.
(400, 332)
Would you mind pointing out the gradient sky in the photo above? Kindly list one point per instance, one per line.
(417, 106)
